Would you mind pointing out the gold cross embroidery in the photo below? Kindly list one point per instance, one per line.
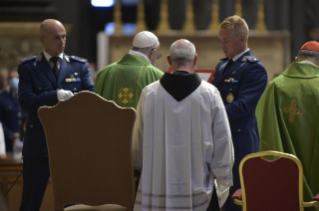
(292, 110)
(125, 95)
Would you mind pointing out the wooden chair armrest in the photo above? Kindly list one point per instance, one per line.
(237, 197)
(237, 194)
(315, 202)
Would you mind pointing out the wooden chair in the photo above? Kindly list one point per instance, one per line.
(89, 145)
(271, 184)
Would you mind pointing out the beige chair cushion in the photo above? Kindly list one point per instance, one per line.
(107, 207)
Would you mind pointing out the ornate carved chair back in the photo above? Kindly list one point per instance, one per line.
(89, 144)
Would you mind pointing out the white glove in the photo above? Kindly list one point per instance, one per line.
(64, 94)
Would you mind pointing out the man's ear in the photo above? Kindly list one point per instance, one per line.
(195, 60)
(169, 59)
(243, 38)
(150, 54)
(42, 39)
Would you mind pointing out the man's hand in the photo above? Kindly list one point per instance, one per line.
(64, 94)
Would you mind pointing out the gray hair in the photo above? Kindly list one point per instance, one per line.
(146, 51)
(182, 52)
(308, 54)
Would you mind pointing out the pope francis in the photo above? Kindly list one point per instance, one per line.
(124, 80)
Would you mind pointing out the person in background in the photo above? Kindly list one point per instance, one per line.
(124, 80)
(241, 80)
(10, 111)
(287, 115)
(4, 73)
(181, 138)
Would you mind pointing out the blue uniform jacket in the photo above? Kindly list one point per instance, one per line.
(241, 86)
(38, 87)
(10, 115)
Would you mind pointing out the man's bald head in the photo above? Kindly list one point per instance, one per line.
(53, 36)
(182, 54)
(48, 25)
(182, 51)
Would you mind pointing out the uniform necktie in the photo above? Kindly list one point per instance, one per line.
(230, 61)
(55, 66)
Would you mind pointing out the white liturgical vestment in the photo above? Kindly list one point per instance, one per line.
(180, 148)
(2, 141)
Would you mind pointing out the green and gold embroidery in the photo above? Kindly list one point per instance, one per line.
(125, 95)
(293, 110)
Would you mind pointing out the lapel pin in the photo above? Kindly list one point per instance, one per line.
(244, 59)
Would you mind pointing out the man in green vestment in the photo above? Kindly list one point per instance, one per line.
(288, 115)
(124, 80)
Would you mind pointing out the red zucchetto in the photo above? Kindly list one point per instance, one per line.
(311, 46)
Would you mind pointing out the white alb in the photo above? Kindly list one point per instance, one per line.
(181, 147)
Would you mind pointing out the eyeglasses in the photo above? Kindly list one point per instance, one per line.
(158, 55)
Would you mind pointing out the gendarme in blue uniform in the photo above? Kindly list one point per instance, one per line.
(38, 87)
(241, 86)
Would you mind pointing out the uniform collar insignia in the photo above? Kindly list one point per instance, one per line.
(40, 58)
(31, 58)
(250, 59)
(66, 58)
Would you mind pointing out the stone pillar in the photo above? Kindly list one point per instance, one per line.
(298, 30)
(226, 9)
(277, 14)
(152, 9)
(176, 14)
(202, 13)
(249, 10)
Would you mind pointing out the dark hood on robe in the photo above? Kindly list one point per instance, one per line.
(180, 84)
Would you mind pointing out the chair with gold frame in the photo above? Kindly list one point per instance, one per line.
(271, 184)
(89, 145)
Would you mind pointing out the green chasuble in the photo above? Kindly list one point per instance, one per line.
(124, 80)
(288, 120)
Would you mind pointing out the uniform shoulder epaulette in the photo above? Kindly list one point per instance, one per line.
(250, 59)
(223, 59)
(28, 59)
(78, 59)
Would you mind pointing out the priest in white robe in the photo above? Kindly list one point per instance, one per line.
(182, 140)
